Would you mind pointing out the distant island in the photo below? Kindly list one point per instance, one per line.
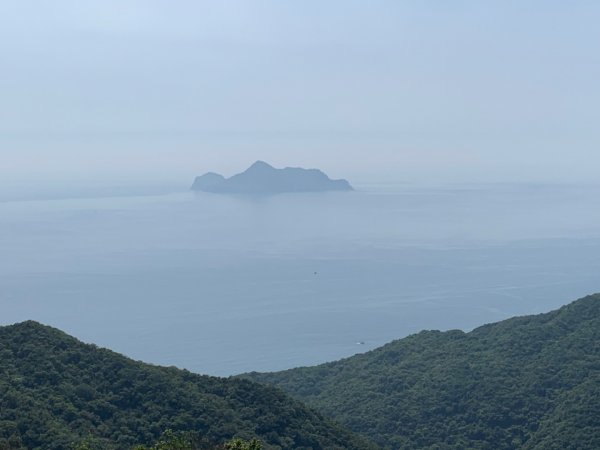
(262, 178)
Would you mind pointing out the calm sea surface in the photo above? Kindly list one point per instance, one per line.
(222, 285)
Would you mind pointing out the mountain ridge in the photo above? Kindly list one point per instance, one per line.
(507, 385)
(56, 390)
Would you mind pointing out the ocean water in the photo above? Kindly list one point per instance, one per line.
(223, 285)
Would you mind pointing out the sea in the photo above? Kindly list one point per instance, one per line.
(222, 285)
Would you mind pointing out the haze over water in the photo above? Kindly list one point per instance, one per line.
(222, 285)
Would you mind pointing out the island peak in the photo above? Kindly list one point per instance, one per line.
(261, 165)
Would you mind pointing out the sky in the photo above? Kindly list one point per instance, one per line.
(374, 91)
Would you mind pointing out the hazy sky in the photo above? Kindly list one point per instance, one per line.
(373, 90)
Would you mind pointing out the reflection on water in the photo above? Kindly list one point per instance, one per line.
(222, 285)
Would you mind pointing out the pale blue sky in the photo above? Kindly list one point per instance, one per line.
(372, 90)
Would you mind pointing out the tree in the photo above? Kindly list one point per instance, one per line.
(239, 444)
(170, 440)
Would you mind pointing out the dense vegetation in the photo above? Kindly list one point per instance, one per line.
(525, 383)
(184, 440)
(56, 391)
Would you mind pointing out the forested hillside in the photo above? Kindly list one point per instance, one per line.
(528, 382)
(56, 392)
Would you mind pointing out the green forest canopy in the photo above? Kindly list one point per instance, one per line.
(57, 391)
(525, 383)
